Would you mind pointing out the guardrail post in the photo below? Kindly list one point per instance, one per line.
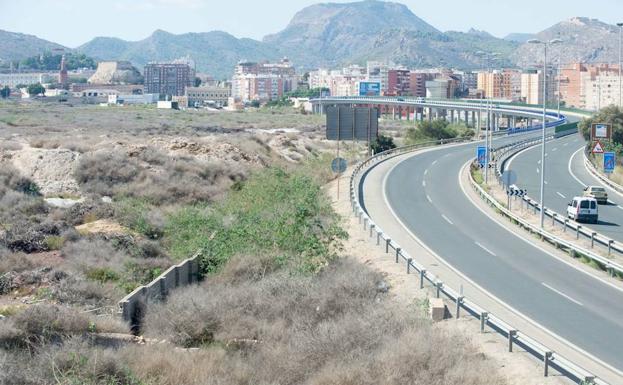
(438, 286)
(577, 232)
(378, 239)
(459, 302)
(610, 242)
(547, 357)
(387, 243)
(553, 219)
(365, 223)
(360, 216)
(511, 336)
(422, 276)
(409, 265)
(593, 239)
(483, 320)
(372, 230)
(398, 249)
(565, 225)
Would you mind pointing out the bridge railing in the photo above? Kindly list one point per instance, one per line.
(550, 359)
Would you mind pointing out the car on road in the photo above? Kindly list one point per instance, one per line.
(597, 192)
(583, 209)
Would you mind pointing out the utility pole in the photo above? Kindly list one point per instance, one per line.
(542, 195)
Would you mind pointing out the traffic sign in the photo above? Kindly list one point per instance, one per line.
(609, 162)
(598, 148)
(481, 154)
(601, 131)
(338, 165)
(516, 191)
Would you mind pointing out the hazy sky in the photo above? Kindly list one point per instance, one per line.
(74, 22)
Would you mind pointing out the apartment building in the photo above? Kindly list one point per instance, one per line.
(168, 79)
(398, 82)
(263, 81)
(532, 87)
(14, 79)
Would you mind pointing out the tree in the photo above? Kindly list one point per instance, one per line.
(382, 143)
(5, 92)
(197, 81)
(35, 89)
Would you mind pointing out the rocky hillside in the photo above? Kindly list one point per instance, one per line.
(18, 46)
(584, 39)
(214, 52)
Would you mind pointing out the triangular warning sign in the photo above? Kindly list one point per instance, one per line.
(598, 148)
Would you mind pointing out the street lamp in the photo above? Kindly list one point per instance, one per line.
(545, 45)
(620, 25)
(488, 57)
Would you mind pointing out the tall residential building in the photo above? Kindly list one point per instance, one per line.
(263, 81)
(398, 82)
(504, 84)
(532, 87)
(168, 79)
(417, 83)
(590, 86)
(378, 72)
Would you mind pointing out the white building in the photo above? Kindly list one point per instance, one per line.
(437, 89)
(14, 79)
(602, 90)
(133, 99)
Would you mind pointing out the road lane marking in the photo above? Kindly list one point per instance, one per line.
(425, 172)
(447, 219)
(537, 170)
(565, 145)
(429, 200)
(571, 171)
(620, 207)
(562, 196)
(545, 182)
(423, 183)
(485, 249)
(434, 163)
(539, 162)
(560, 293)
(555, 149)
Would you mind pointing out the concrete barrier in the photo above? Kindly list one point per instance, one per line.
(132, 307)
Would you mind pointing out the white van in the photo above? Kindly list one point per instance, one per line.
(583, 209)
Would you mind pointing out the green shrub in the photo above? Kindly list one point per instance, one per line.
(283, 213)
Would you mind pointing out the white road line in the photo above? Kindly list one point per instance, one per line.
(555, 149)
(562, 294)
(434, 163)
(565, 145)
(485, 249)
(538, 162)
(620, 207)
(545, 182)
(429, 200)
(571, 171)
(425, 172)
(447, 219)
(562, 196)
(538, 171)
(423, 183)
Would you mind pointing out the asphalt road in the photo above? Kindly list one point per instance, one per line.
(566, 177)
(424, 192)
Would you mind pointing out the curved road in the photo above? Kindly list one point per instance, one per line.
(566, 177)
(424, 193)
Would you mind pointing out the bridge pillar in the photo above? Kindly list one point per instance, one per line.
(467, 118)
(430, 114)
(451, 116)
(393, 113)
(474, 118)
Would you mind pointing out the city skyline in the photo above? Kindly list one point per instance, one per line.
(182, 16)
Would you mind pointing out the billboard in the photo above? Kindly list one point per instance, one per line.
(369, 89)
(601, 131)
(348, 123)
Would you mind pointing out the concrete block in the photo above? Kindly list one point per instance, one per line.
(436, 309)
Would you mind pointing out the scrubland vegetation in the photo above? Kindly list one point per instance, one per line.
(280, 302)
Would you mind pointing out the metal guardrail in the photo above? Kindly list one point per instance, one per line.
(610, 266)
(487, 319)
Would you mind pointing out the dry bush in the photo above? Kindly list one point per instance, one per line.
(333, 328)
(158, 179)
(94, 253)
(77, 291)
(8, 145)
(16, 262)
(11, 179)
(88, 211)
(31, 236)
(102, 171)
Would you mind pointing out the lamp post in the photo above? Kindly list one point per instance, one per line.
(620, 25)
(487, 58)
(545, 45)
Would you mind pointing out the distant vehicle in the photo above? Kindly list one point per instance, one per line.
(597, 192)
(583, 209)
(401, 99)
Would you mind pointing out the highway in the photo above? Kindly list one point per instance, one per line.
(424, 193)
(566, 177)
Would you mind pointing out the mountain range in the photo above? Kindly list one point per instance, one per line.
(331, 35)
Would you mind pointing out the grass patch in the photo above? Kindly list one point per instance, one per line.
(285, 214)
